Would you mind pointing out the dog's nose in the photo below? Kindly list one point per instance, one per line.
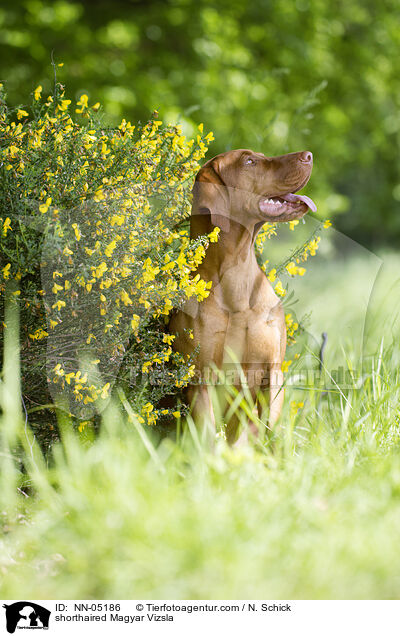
(306, 157)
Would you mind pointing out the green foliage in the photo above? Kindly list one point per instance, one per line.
(270, 75)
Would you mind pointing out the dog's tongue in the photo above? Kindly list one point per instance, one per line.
(292, 198)
(273, 207)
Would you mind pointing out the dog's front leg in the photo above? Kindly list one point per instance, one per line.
(202, 412)
(276, 393)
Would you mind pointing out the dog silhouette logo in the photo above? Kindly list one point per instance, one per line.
(26, 615)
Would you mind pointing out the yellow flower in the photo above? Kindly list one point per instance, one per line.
(83, 425)
(272, 275)
(150, 272)
(176, 414)
(327, 224)
(59, 304)
(64, 104)
(313, 246)
(58, 370)
(118, 219)
(295, 407)
(213, 236)
(279, 289)
(45, 206)
(80, 378)
(105, 391)
(125, 298)
(168, 266)
(38, 93)
(6, 226)
(168, 338)
(294, 270)
(110, 248)
(83, 101)
(77, 231)
(39, 334)
(12, 151)
(22, 113)
(135, 322)
(6, 271)
(285, 365)
(101, 269)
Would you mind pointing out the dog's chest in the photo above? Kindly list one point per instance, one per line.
(253, 336)
(250, 331)
(234, 324)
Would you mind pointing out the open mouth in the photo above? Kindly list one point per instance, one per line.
(287, 204)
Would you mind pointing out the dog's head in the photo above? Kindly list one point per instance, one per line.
(250, 188)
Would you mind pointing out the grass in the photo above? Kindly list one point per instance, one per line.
(313, 514)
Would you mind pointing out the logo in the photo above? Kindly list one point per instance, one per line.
(26, 615)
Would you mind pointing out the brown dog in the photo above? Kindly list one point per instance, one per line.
(242, 319)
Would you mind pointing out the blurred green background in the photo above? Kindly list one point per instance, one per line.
(272, 75)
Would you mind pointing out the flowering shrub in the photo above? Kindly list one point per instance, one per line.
(95, 246)
(91, 233)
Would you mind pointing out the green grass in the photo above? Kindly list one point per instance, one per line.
(313, 514)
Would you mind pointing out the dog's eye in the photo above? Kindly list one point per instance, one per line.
(249, 161)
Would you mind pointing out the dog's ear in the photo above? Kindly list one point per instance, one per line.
(210, 196)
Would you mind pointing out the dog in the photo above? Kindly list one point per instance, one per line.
(241, 323)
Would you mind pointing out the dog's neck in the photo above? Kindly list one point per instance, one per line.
(234, 247)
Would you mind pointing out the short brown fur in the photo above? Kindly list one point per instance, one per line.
(242, 319)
